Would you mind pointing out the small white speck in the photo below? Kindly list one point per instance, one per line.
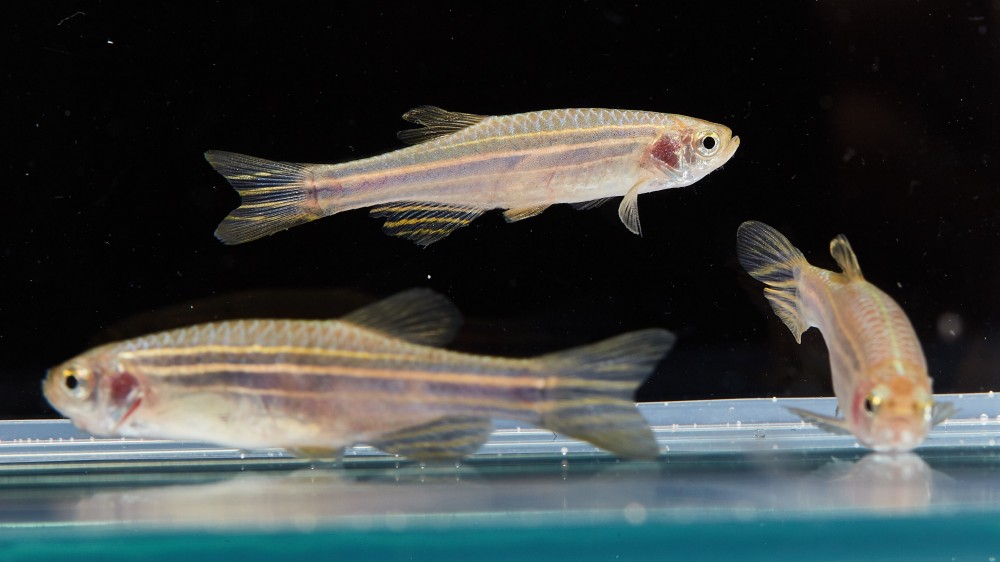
(983, 418)
(428, 275)
(110, 42)
(564, 450)
(635, 513)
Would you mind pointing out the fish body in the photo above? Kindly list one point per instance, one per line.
(879, 372)
(463, 165)
(373, 377)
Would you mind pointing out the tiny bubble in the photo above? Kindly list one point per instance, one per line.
(564, 450)
(739, 423)
(774, 399)
(983, 418)
(990, 394)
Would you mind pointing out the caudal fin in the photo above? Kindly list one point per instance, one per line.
(590, 396)
(770, 258)
(274, 196)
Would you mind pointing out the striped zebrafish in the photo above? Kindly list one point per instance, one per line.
(374, 377)
(463, 165)
(879, 372)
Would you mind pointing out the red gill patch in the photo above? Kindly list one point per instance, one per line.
(665, 150)
(123, 385)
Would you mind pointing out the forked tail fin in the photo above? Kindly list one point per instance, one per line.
(591, 388)
(770, 258)
(274, 196)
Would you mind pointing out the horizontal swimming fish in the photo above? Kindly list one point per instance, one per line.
(879, 372)
(372, 377)
(463, 165)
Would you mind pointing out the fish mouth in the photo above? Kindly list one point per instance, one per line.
(734, 143)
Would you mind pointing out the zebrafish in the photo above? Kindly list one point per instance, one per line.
(879, 372)
(373, 376)
(462, 165)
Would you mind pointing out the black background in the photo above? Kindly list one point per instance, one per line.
(877, 120)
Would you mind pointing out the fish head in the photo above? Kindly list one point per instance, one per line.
(892, 413)
(686, 152)
(94, 391)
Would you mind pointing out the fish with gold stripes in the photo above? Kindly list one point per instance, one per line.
(462, 165)
(376, 376)
(879, 372)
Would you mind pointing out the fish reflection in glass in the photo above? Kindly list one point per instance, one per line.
(372, 377)
(462, 165)
(879, 372)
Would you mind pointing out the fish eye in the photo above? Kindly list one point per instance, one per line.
(872, 403)
(708, 143)
(76, 381)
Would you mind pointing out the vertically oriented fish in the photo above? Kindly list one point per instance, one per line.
(879, 372)
(463, 165)
(371, 377)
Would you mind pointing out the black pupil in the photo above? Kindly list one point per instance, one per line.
(71, 382)
(708, 143)
(868, 404)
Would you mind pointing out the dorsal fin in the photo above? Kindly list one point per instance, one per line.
(841, 251)
(417, 315)
(436, 123)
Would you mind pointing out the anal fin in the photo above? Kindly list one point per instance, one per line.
(451, 437)
(424, 223)
(784, 302)
(514, 215)
(826, 423)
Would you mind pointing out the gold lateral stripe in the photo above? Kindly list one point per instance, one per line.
(158, 352)
(361, 398)
(888, 328)
(827, 306)
(467, 378)
(474, 156)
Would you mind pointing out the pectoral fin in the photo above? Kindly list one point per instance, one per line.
(592, 204)
(445, 438)
(628, 211)
(942, 411)
(316, 453)
(826, 423)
